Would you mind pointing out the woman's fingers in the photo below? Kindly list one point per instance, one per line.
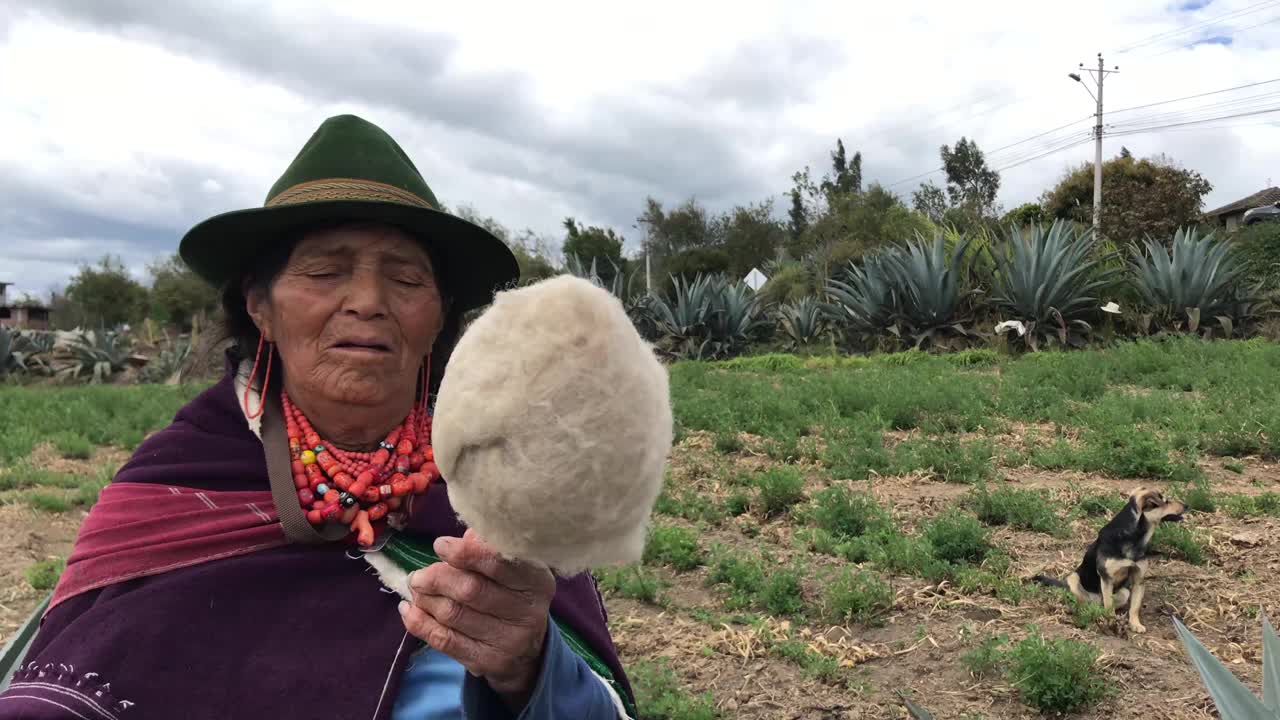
(472, 654)
(471, 553)
(472, 590)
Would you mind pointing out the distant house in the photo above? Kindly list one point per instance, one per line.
(26, 315)
(1231, 216)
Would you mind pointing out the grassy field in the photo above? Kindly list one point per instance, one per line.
(840, 536)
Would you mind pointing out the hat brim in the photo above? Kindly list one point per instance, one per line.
(477, 264)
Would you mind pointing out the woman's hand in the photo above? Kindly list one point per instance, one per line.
(488, 613)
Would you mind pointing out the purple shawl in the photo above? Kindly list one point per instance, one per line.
(300, 631)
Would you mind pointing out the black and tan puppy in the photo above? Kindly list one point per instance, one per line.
(1115, 565)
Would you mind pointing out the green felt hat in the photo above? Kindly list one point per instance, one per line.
(351, 169)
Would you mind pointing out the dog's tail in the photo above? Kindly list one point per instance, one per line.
(1052, 581)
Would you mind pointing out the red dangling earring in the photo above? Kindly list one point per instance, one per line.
(262, 398)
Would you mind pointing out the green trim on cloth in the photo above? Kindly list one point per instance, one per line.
(411, 554)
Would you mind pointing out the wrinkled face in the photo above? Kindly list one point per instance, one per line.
(353, 313)
(1156, 508)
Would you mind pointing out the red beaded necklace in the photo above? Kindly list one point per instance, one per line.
(359, 489)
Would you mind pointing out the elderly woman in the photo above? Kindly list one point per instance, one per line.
(285, 548)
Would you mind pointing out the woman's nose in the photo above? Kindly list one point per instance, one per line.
(365, 295)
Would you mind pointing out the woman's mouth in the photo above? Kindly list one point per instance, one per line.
(363, 347)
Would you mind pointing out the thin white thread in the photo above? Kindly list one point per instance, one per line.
(68, 691)
(43, 699)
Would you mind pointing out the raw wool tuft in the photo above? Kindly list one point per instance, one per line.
(553, 425)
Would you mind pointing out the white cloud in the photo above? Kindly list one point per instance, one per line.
(134, 120)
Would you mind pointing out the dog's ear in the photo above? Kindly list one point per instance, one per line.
(1139, 496)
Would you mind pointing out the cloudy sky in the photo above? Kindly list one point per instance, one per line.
(124, 122)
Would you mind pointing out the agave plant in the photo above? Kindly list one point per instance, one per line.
(1233, 700)
(708, 317)
(736, 317)
(1049, 281)
(98, 354)
(803, 323)
(34, 350)
(167, 365)
(928, 280)
(8, 362)
(1197, 278)
(863, 304)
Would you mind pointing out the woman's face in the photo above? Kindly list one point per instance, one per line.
(353, 313)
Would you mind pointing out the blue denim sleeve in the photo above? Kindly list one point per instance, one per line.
(566, 688)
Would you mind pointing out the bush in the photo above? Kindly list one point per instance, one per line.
(782, 593)
(844, 513)
(72, 445)
(1180, 540)
(858, 596)
(660, 697)
(985, 658)
(947, 458)
(780, 488)
(744, 576)
(632, 581)
(43, 575)
(1258, 247)
(1022, 509)
(957, 538)
(674, 546)
(1056, 675)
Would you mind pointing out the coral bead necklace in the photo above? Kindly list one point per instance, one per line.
(359, 489)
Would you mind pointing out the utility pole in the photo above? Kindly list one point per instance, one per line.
(1099, 77)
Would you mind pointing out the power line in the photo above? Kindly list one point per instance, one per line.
(1153, 128)
(990, 155)
(1169, 34)
(1192, 97)
(1191, 113)
(1047, 153)
(1202, 41)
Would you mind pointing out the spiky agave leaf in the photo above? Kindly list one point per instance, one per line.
(802, 322)
(863, 304)
(928, 282)
(1194, 279)
(734, 316)
(1233, 700)
(1050, 280)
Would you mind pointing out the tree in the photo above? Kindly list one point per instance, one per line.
(178, 295)
(846, 175)
(1151, 197)
(1025, 214)
(594, 244)
(930, 201)
(534, 255)
(808, 204)
(971, 185)
(751, 236)
(856, 224)
(797, 217)
(106, 295)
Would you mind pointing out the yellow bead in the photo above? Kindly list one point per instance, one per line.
(308, 457)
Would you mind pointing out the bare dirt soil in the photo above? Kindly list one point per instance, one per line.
(917, 647)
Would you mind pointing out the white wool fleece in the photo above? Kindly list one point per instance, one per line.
(553, 425)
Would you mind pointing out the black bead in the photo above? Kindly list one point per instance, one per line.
(347, 500)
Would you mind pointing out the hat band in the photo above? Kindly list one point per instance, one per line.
(345, 189)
